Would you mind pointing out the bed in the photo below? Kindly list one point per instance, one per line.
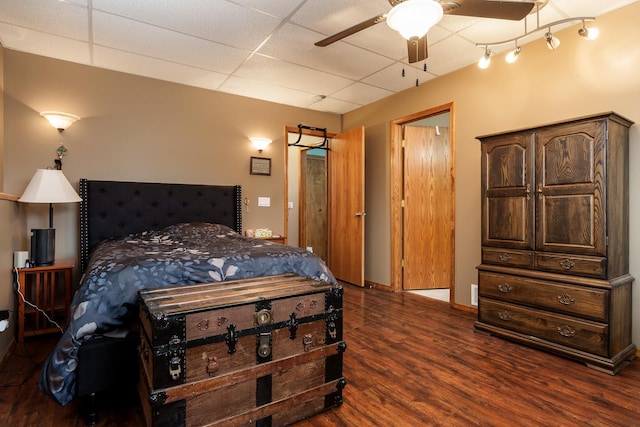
(148, 235)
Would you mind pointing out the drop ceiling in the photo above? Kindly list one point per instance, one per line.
(261, 49)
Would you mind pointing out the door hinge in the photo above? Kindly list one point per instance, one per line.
(402, 263)
(402, 203)
(403, 143)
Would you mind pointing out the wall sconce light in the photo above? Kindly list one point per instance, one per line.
(260, 143)
(59, 120)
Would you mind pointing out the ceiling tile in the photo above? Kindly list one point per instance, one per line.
(292, 76)
(47, 16)
(225, 22)
(295, 44)
(151, 41)
(114, 59)
(361, 93)
(267, 92)
(44, 44)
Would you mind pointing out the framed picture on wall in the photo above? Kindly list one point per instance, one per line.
(260, 166)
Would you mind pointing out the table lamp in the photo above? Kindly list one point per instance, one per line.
(47, 186)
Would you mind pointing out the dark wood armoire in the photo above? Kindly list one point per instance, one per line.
(555, 239)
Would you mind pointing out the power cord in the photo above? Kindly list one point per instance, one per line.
(30, 304)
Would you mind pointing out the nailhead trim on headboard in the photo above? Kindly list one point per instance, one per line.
(115, 208)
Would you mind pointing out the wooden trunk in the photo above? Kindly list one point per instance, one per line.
(264, 352)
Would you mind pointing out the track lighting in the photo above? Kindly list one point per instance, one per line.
(552, 41)
(588, 33)
(486, 58)
(513, 55)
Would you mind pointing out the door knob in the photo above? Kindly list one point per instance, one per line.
(360, 214)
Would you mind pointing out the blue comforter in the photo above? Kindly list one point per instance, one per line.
(180, 254)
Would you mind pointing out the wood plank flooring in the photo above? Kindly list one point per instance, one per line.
(410, 361)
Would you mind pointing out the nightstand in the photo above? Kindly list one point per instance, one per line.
(275, 239)
(49, 288)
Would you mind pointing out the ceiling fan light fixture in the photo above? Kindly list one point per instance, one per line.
(414, 18)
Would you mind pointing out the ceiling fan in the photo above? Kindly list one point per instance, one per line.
(423, 14)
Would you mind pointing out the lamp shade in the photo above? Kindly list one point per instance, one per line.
(60, 120)
(49, 186)
(414, 18)
(260, 143)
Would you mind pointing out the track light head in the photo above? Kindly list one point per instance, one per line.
(486, 58)
(588, 33)
(552, 41)
(513, 55)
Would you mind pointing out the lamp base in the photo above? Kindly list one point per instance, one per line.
(43, 246)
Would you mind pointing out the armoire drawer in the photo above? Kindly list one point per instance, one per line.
(571, 264)
(580, 301)
(506, 257)
(578, 334)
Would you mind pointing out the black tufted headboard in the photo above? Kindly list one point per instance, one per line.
(114, 208)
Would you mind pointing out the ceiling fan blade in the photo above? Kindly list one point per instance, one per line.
(417, 49)
(351, 30)
(497, 9)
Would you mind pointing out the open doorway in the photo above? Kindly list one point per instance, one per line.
(423, 202)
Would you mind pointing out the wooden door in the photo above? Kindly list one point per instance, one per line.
(570, 205)
(346, 206)
(428, 237)
(313, 202)
(507, 191)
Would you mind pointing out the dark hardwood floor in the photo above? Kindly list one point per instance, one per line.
(410, 361)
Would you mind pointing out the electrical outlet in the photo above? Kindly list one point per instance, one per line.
(474, 295)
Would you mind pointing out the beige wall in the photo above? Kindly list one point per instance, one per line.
(543, 86)
(131, 128)
(140, 129)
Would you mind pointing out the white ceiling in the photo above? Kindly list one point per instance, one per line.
(261, 49)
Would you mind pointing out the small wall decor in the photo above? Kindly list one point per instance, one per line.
(260, 166)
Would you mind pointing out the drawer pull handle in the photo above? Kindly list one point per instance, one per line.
(503, 315)
(566, 331)
(505, 257)
(566, 299)
(567, 264)
(505, 288)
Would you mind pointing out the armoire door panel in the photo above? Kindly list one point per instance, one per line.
(501, 212)
(507, 192)
(569, 189)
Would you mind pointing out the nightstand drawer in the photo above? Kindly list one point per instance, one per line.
(574, 265)
(579, 334)
(582, 301)
(510, 258)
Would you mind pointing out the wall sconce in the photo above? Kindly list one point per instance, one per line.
(59, 120)
(260, 143)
